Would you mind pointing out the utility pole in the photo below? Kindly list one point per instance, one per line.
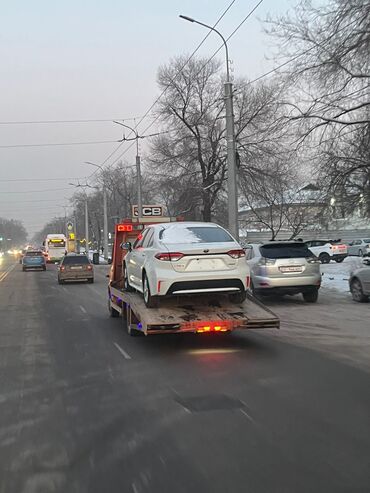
(105, 224)
(86, 227)
(232, 179)
(232, 184)
(138, 172)
(138, 168)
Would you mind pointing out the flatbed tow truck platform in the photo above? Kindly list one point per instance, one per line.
(179, 314)
(193, 314)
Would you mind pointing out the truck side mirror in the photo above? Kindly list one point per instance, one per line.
(126, 246)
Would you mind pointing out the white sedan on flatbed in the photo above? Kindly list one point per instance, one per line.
(183, 258)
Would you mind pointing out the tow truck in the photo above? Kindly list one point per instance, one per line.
(200, 314)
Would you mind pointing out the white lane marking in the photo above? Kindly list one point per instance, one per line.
(83, 309)
(122, 351)
(243, 411)
(6, 273)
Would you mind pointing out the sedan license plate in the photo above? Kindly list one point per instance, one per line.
(291, 268)
(76, 268)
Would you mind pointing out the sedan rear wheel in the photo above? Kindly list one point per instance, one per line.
(149, 300)
(357, 291)
(360, 253)
(126, 285)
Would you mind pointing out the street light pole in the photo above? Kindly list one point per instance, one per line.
(105, 213)
(233, 218)
(138, 170)
(86, 217)
(105, 224)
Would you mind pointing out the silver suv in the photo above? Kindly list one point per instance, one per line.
(284, 268)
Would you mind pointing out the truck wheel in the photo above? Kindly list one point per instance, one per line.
(149, 300)
(60, 281)
(238, 297)
(112, 312)
(357, 291)
(90, 281)
(131, 331)
(339, 260)
(324, 258)
(44, 268)
(311, 296)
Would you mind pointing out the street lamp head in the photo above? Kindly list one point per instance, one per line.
(186, 18)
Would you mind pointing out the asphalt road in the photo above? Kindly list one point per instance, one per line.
(84, 408)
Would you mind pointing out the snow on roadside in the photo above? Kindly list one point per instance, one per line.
(335, 276)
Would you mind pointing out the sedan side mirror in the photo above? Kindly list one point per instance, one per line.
(126, 246)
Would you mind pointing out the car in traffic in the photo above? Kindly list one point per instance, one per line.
(33, 259)
(359, 282)
(75, 267)
(185, 258)
(22, 254)
(286, 267)
(327, 250)
(359, 247)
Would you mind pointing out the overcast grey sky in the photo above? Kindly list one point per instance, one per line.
(76, 60)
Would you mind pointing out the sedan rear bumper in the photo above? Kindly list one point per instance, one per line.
(205, 286)
(75, 277)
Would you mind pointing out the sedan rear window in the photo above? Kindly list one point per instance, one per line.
(34, 254)
(195, 234)
(75, 260)
(290, 250)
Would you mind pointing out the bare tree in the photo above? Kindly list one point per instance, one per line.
(193, 153)
(329, 45)
(12, 233)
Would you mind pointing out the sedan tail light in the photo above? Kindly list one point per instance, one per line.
(236, 253)
(169, 256)
(62, 268)
(89, 267)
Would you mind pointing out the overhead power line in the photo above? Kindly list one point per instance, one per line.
(28, 201)
(206, 63)
(59, 144)
(165, 90)
(40, 179)
(52, 122)
(38, 191)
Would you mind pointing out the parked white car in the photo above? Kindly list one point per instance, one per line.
(185, 258)
(327, 250)
(359, 247)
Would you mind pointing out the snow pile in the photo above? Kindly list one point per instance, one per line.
(180, 234)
